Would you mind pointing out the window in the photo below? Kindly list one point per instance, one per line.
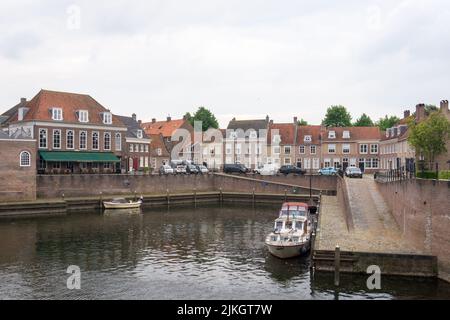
(253, 134)
(142, 148)
(146, 148)
(301, 149)
(95, 140)
(375, 163)
(83, 116)
(316, 163)
(159, 151)
(287, 161)
(363, 148)
(153, 160)
(107, 141)
(346, 148)
(276, 150)
(331, 148)
(136, 148)
(43, 138)
(331, 134)
(238, 149)
(69, 139)
(287, 150)
(83, 140)
(57, 114)
(307, 163)
(346, 134)
(107, 118)
(56, 139)
(118, 142)
(308, 138)
(373, 148)
(141, 162)
(25, 159)
(228, 148)
(139, 134)
(131, 148)
(313, 149)
(336, 163)
(327, 163)
(106, 165)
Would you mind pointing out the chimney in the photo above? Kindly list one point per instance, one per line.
(23, 100)
(406, 114)
(153, 120)
(444, 107)
(134, 116)
(295, 120)
(169, 118)
(267, 118)
(420, 112)
(140, 122)
(271, 122)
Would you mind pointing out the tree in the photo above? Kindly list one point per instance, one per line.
(363, 121)
(387, 122)
(205, 116)
(430, 108)
(302, 122)
(430, 136)
(337, 116)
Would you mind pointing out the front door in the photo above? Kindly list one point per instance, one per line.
(361, 165)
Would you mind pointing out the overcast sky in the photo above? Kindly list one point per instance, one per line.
(238, 58)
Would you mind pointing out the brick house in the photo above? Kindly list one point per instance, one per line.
(17, 168)
(281, 141)
(246, 142)
(308, 147)
(73, 132)
(136, 153)
(159, 154)
(351, 146)
(167, 129)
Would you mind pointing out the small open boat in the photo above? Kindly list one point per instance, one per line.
(291, 236)
(121, 203)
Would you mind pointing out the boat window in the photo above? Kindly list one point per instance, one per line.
(288, 225)
(295, 239)
(279, 225)
(298, 225)
(274, 238)
(286, 239)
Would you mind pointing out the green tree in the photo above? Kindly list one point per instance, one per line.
(302, 122)
(363, 121)
(430, 136)
(337, 116)
(387, 122)
(205, 116)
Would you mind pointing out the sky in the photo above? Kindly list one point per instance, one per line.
(244, 59)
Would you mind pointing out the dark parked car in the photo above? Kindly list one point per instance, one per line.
(353, 172)
(191, 169)
(291, 169)
(235, 168)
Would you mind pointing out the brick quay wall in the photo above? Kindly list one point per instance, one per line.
(422, 211)
(55, 186)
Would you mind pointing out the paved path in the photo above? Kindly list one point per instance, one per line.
(375, 229)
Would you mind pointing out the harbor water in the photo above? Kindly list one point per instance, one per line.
(208, 252)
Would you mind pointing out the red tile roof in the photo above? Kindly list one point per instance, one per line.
(313, 131)
(70, 103)
(286, 132)
(166, 128)
(356, 133)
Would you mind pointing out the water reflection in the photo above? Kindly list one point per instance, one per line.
(188, 253)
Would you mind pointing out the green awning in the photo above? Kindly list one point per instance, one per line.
(74, 156)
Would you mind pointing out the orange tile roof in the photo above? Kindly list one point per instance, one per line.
(286, 132)
(356, 133)
(70, 103)
(313, 131)
(166, 128)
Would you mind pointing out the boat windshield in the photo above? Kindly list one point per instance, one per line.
(293, 212)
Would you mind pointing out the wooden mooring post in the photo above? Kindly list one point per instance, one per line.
(168, 197)
(195, 197)
(337, 265)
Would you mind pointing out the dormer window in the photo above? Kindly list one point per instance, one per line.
(308, 139)
(139, 134)
(276, 138)
(332, 135)
(107, 118)
(346, 134)
(83, 116)
(57, 114)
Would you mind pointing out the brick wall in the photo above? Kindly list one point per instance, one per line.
(422, 210)
(17, 183)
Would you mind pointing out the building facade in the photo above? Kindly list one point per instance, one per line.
(308, 150)
(282, 142)
(159, 155)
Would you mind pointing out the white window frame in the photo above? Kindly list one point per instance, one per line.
(83, 116)
(276, 149)
(107, 118)
(371, 148)
(331, 134)
(346, 134)
(67, 139)
(118, 141)
(301, 149)
(361, 148)
(46, 138)
(287, 161)
(105, 147)
(159, 152)
(307, 138)
(329, 148)
(346, 148)
(98, 140)
(286, 148)
(21, 159)
(53, 139)
(311, 148)
(57, 114)
(85, 140)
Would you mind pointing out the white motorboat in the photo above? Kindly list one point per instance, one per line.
(291, 236)
(121, 203)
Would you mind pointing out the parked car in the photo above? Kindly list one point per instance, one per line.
(166, 169)
(267, 170)
(329, 171)
(235, 168)
(291, 169)
(202, 169)
(191, 169)
(353, 172)
(178, 166)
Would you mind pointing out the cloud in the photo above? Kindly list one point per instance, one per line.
(235, 57)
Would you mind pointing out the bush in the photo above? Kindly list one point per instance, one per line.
(445, 175)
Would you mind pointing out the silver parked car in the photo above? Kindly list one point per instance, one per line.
(166, 169)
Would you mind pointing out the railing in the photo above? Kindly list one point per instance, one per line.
(395, 175)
